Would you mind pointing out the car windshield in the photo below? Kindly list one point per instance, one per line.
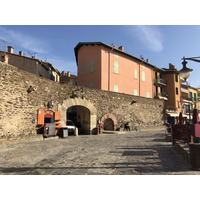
(70, 123)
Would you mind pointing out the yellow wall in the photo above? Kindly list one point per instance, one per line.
(194, 91)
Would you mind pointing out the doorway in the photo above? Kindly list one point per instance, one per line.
(80, 116)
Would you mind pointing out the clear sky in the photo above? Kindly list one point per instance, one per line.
(161, 44)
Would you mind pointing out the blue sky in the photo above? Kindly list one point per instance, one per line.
(161, 44)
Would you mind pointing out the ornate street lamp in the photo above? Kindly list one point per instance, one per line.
(185, 72)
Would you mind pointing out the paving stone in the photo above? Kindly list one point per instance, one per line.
(138, 153)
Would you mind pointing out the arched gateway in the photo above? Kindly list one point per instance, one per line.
(78, 102)
(108, 122)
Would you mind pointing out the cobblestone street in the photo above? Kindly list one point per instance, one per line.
(134, 153)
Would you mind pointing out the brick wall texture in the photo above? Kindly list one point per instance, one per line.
(18, 108)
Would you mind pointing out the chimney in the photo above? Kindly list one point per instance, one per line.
(172, 67)
(63, 73)
(10, 49)
(121, 48)
(147, 60)
(35, 55)
(21, 53)
(115, 46)
(68, 74)
(4, 59)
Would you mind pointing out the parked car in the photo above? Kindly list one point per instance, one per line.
(70, 125)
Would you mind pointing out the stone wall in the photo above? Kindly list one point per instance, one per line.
(18, 110)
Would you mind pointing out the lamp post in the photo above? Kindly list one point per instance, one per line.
(185, 74)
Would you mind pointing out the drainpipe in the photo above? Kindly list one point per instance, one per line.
(108, 71)
(139, 79)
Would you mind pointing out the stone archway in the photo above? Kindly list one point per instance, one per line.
(108, 120)
(78, 102)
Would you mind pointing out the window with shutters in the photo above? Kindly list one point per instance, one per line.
(116, 67)
(195, 97)
(91, 65)
(176, 90)
(91, 84)
(116, 88)
(148, 94)
(135, 92)
(143, 75)
(135, 75)
(82, 69)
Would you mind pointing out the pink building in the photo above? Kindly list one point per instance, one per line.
(109, 68)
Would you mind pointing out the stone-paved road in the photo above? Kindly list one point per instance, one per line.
(132, 153)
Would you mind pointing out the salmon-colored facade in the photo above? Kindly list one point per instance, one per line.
(104, 67)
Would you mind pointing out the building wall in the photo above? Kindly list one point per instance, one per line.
(170, 89)
(194, 102)
(86, 53)
(18, 111)
(104, 76)
(27, 64)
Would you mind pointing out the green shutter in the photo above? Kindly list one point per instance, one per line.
(135, 92)
(82, 69)
(116, 88)
(135, 73)
(143, 75)
(195, 96)
(92, 84)
(91, 65)
(116, 67)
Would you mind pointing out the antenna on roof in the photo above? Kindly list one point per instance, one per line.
(4, 44)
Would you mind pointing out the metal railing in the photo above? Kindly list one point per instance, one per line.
(162, 94)
(160, 81)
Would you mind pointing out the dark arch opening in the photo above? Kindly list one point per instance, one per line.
(109, 124)
(80, 116)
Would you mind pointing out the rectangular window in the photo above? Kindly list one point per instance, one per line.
(161, 76)
(190, 107)
(143, 75)
(116, 67)
(91, 65)
(191, 96)
(195, 97)
(135, 74)
(176, 90)
(115, 88)
(161, 90)
(148, 94)
(116, 55)
(177, 104)
(156, 75)
(135, 92)
(91, 84)
(176, 78)
(82, 69)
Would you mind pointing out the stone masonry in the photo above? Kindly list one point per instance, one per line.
(23, 93)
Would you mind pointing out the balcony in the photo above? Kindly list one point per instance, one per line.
(162, 96)
(160, 81)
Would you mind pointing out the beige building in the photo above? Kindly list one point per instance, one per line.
(68, 78)
(30, 64)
